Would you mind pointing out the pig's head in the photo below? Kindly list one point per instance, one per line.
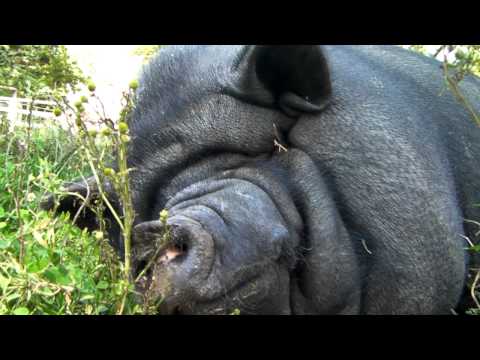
(203, 148)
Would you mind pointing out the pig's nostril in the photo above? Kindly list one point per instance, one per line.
(177, 249)
(174, 252)
(181, 247)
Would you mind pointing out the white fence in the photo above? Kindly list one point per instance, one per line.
(18, 109)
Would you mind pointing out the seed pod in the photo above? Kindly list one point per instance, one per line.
(163, 215)
(109, 172)
(133, 84)
(123, 127)
(31, 197)
(106, 132)
(91, 86)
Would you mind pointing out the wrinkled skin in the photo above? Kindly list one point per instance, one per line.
(364, 214)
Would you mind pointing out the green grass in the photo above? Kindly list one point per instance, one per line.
(47, 265)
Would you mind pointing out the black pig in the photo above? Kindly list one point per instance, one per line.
(360, 210)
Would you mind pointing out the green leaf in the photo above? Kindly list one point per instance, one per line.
(2, 224)
(55, 257)
(12, 297)
(102, 285)
(75, 273)
(21, 311)
(46, 292)
(102, 309)
(38, 265)
(475, 248)
(4, 243)
(24, 214)
(58, 275)
(87, 297)
(4, 282)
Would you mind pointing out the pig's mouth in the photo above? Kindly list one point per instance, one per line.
(222, 251)
(238, 296)
(173, 246)
(160, 274)
(145, 269)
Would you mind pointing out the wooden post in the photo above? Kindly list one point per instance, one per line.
(12, 108)
(13, 111)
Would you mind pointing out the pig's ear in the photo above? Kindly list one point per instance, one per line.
(294, 78)
(78, 198)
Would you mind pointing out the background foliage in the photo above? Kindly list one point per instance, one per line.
(147, 51)
(464, 58)
(37, 69)
(458, 61)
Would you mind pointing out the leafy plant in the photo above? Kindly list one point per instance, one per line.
(38, 69)
(47, 265)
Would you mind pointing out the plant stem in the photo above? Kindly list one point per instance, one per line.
(124, 189)
(458, 95)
